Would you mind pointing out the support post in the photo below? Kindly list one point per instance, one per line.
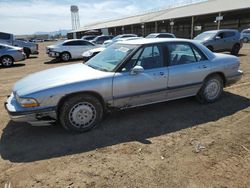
(156, 27)
(192, 28)
(219, 22)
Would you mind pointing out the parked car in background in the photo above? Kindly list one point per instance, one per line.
(101, 39)
(10, 54)
(119, 37)
(91, 53)
(29, 48)
(245, 35)
(161, 35)
(89, 37)
(69, 49)
(221, 40)
(127, 74)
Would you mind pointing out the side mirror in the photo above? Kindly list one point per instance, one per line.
(136, 70)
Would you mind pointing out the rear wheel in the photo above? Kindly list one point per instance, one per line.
(235, 50)
(81, 113)
(210, 48)
(211, 89)
(245, 39)
(7, 61)
(65, 56)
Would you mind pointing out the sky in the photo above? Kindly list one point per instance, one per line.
(29, 16)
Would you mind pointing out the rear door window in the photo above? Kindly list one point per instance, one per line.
(229, 34)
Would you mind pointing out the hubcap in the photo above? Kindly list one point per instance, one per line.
(7, 61)
(65, 57)
(82, 115)
(212, 89)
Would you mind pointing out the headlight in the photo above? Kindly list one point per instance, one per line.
(87, 54)
(27, 102)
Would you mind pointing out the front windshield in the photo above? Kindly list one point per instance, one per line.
(205, 36)
(151, 36)
(111, 57)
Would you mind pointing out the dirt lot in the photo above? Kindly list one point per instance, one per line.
(173, 144)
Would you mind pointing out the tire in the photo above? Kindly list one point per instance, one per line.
(210, 48)
(7, 61)
(65, 56)
(80, 113)
(211, 90)
(235, 50)
(245, 40)
(27, 52)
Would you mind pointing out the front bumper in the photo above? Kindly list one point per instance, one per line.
(54, 54)
(38, 117)
(35, 53)
(235, 78)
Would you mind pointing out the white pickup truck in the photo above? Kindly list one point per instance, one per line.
(28, 47)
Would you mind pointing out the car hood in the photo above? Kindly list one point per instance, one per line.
(52, 46)
(92, 51)
(56, 77)
(201, 41)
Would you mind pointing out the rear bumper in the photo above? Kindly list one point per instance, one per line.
(235, 78)
(40, 117)
(20, 57)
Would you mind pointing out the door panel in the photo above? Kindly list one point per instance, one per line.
(188, 68)
(147, 87)
(186, 79)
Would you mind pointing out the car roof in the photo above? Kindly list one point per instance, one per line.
(160, 33)
(215, 31)
(70, 40)
(143, 41)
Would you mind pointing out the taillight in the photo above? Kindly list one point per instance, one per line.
(36, 46)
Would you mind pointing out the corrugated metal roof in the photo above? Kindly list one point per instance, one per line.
(203, 8)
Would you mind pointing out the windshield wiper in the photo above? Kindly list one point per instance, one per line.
(98, 68)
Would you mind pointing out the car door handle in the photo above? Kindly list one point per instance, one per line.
(203, 67)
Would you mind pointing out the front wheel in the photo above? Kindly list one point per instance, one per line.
(235, 50)
(81, 113)
(27, 52)
(211, 89)
(65, 56)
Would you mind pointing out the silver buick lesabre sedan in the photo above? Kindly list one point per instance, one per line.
(125, 75)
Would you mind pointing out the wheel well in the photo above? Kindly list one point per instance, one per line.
(210, 47)
(92, 93)
(237, 44)
(220, 74)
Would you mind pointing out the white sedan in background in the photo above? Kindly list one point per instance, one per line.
(94, 51)
(69, 49)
